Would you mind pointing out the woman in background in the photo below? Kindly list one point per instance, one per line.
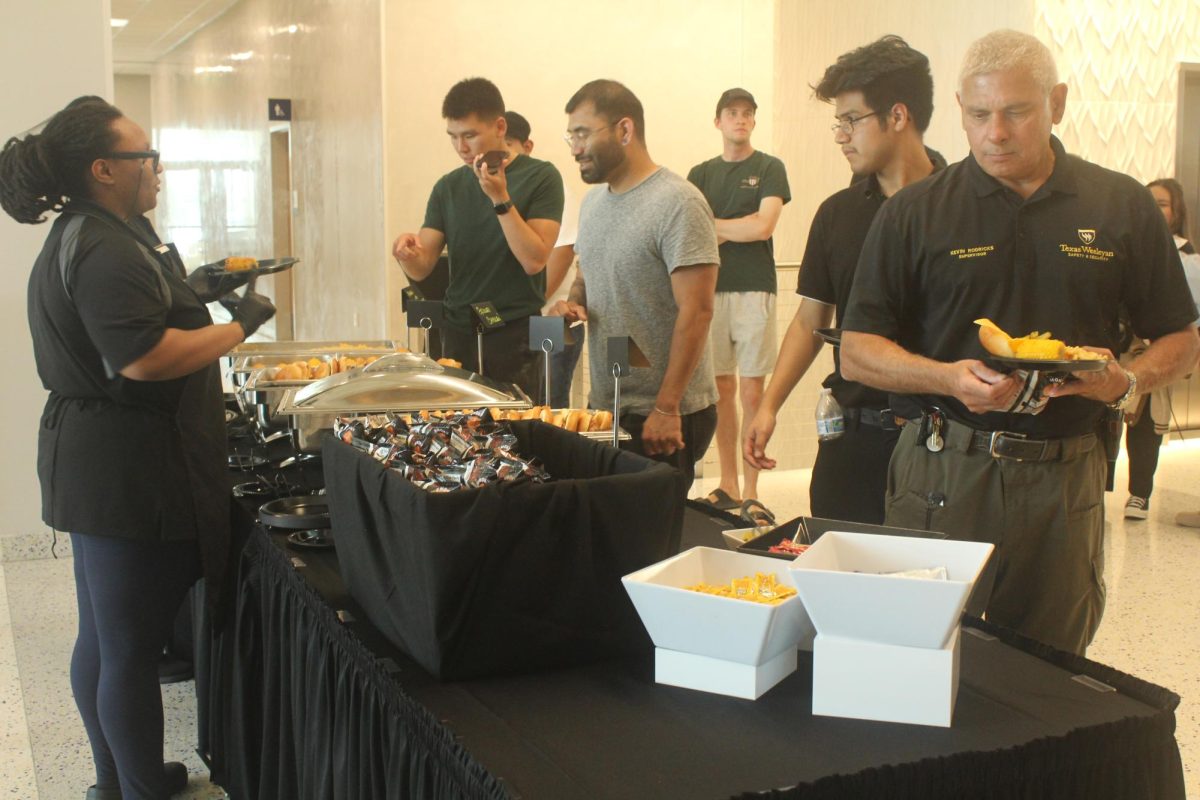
(1151, 418)
(131, 445)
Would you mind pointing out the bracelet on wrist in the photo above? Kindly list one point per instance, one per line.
(666, 413)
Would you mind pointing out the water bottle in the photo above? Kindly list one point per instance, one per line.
(830, 422)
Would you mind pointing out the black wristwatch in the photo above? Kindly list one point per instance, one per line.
(502, 208)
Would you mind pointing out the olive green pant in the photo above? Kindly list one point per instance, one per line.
(1045, 578)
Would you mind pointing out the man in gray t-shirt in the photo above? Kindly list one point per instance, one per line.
(648, 261)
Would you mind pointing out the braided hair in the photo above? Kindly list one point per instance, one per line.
(44, 171)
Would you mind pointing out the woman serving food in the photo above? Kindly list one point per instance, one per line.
(131, 445)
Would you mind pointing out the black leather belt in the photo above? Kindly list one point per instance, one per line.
(1018, 447)
(998, 444)
(877, 418)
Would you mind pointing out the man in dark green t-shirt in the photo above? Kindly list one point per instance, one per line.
(747, 190)
(498, 226)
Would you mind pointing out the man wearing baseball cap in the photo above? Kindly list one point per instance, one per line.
(746, 190)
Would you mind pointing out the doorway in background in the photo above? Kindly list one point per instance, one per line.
(282, 204)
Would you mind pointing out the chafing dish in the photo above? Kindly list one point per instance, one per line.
(255, 387)
(248, 356)
(397, 384)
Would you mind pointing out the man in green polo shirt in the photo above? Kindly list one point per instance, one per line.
(498, 226)
(746, 190)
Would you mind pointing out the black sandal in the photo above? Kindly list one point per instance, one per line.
(720, 500)
(757, 514)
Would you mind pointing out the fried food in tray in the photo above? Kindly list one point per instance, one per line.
(579, 420)
(1036, 350)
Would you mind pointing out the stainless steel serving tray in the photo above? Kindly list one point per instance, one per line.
(401, 383)
(247, 357)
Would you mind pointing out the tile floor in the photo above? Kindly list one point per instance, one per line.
(1149, 630)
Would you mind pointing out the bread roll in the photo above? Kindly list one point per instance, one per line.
(601, 421)
(994, 340)
(576, 421)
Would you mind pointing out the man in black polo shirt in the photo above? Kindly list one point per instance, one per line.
(498, 225)
(1032, 238)
(883, 100)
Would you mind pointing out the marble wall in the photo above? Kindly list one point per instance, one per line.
(211, 124)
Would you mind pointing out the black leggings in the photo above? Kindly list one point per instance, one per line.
(1143, 443)
(128, 592)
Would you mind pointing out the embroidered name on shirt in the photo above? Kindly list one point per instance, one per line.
(973, 252)
(1090, 253)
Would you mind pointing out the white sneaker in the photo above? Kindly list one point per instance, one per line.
(1188, 519)
(1137, 508)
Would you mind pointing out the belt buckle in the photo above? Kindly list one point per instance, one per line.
(996, 442)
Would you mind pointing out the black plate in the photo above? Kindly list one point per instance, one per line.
(260, 490)
(244, 462)
(265, 267)
(316, 539)
(1046, 365)
(298, 513)
(831, 336)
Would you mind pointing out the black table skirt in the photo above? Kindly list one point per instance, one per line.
(297, 703)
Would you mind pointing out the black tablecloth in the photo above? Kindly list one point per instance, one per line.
(299, 704)
(513, 576)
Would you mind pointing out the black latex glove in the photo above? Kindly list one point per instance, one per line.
(213, 283)
(250, 310)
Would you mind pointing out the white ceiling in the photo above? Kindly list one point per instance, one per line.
(156, 27)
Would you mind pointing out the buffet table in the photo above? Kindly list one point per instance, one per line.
(302, 698)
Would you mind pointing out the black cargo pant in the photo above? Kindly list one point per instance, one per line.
(1045, 578)
(697, 429)
(849, 477)
(506, 355)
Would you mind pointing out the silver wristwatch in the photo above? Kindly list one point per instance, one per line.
(1125, 400)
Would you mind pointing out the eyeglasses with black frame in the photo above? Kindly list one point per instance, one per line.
(137, 155)
(580, 136)
(846, 124)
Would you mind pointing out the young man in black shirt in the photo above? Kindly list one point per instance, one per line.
(1026, 235)
(883, 100)
(746, 190)
(498, 225)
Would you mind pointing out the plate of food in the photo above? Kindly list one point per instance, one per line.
(236, 264)
(831, 336)
(1035, 351)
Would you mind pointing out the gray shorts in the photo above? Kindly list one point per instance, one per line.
(743, 334)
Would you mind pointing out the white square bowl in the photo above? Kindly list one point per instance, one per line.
(723, 628)
(845, 596)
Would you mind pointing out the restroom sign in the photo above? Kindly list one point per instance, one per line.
(279, 109)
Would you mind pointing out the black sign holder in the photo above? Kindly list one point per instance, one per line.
(426, 315)
(547, 335)
(487, 318)
(407, 295)
(623, 353)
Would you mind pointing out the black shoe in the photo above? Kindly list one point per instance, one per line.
(177, 776)
(172, 670)
(177, 780)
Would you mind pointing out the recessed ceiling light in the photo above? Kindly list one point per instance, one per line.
(119, 23)
(246, 56)
(218, 68)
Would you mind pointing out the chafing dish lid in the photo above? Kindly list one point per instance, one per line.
(403, 383)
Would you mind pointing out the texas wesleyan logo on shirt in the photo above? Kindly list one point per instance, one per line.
(1088, 237)
(750, 182)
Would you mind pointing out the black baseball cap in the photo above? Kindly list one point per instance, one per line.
(732, 96)
(518, 127)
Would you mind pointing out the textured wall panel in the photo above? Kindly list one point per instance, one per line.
(1120, 60)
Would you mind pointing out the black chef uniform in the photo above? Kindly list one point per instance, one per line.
(118, 457)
